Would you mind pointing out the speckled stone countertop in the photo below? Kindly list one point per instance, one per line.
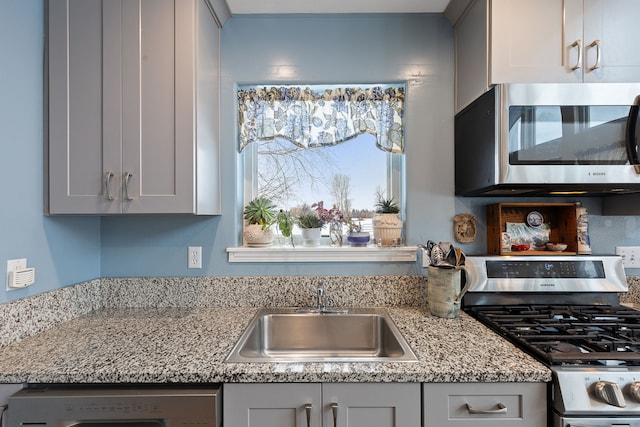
(181, 345)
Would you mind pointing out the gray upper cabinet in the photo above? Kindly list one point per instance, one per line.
(540, 41)
(133, 107)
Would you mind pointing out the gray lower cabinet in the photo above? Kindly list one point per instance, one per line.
(485, 404)
(327, 405)
(132, 107)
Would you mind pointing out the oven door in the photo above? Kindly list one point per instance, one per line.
(569, 133)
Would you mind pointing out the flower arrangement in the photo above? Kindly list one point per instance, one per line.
(327, 215)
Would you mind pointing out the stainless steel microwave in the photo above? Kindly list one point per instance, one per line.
(547, 139)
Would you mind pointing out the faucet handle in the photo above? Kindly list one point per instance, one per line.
(321, 300)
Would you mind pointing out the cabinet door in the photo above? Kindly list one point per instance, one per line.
(472, 54)
(271, 405)
(158, 48)
(371, 405)
(485, 404)
(612, 23)
(83, 65)
(531, 41)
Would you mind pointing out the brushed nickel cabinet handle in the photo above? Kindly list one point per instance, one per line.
(307, 409)
(578, 44)
(107, 188)
(500, 409)
(127, 176)
(334, 410)
(596, 44)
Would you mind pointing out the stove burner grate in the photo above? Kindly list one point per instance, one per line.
(568, 334)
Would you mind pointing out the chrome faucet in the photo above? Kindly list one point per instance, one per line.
(321, 299)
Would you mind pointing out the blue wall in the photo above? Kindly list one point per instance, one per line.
(63, 250)
(360, 49)
(320, 49)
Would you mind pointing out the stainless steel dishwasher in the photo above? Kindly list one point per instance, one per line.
(121, 406)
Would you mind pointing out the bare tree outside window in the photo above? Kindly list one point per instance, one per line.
(283, 168)
(340, 190)
(345, 175)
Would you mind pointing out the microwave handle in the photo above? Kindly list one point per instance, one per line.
(631, 135)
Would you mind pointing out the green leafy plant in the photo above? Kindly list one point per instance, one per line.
(352, 226)
(309, 220)
(384, 205)
(285, 224)
(260, 211)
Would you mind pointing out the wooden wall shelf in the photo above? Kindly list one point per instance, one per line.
(560, 216)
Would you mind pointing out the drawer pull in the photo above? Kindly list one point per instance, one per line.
(307, 409)
(334, 411)
(500, 409)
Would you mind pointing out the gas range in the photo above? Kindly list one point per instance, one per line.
(569, 334)
(565, 311)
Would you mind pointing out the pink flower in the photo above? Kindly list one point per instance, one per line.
(327, 215)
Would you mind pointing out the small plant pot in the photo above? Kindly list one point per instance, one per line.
(255, 236)
(311, 236)
(359, 239)
(387, 229)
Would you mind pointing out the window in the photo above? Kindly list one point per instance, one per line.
(339, 146)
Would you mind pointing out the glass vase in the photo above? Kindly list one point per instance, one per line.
(335, 233)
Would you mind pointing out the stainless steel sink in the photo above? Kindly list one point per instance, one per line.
(290, 335)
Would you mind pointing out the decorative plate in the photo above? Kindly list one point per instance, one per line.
(535, 219)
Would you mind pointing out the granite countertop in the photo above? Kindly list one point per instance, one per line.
(180, 345)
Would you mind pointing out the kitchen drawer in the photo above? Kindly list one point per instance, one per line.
(449, 404)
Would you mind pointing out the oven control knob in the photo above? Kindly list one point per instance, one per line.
(610, 393)
(634, 390)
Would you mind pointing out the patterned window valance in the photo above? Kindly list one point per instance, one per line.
(314, 117)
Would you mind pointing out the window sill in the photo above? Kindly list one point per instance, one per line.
(323, 254)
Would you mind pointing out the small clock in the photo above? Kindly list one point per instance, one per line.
(535, 219)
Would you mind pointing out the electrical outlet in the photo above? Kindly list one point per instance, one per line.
(195, 256)
(630, 256)
(426, 261)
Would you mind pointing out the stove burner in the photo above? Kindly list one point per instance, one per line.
(588, 334)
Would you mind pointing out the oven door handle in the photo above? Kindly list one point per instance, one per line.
(631, 135)
(500, 409)
(608, 425)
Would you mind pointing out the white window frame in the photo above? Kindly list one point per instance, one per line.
(395, 182)
(395, 177)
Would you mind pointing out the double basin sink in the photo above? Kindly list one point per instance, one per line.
(307, 335)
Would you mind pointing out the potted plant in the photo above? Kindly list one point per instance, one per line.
(334, 218)
(260, 215)
(387, 226)
(355, 236)
(285, 224)
(311, 225)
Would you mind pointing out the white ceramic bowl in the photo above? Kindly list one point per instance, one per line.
(556, 247)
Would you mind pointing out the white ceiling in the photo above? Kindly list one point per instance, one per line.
(336, 6)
